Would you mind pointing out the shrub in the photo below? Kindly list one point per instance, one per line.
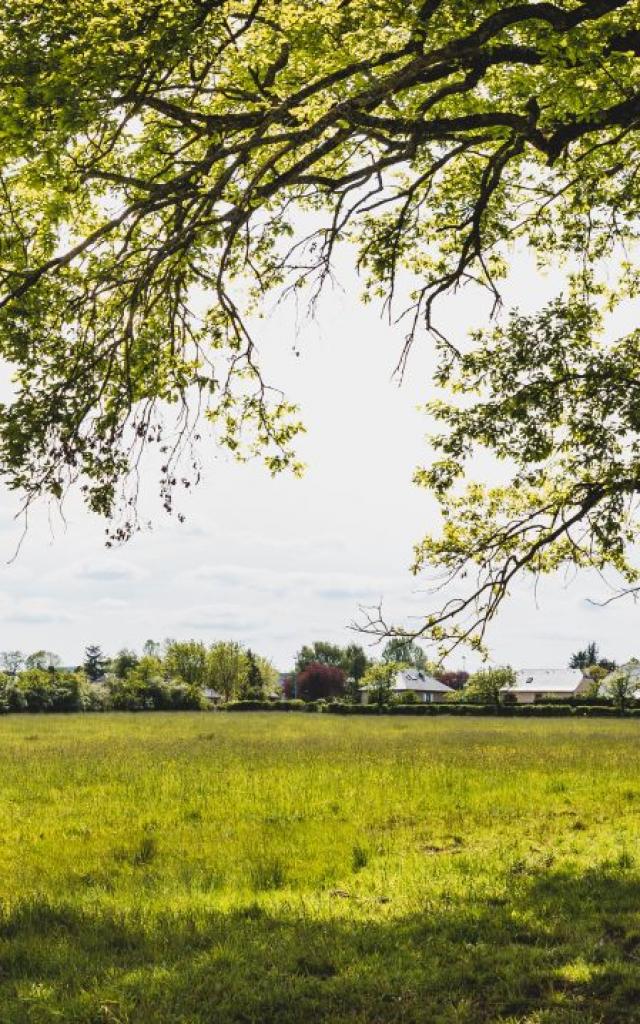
(539, 710)
(186, 698)
(340, 708)
(581, 700)
(596, 710)
(316, 705)
(265, 705)
(408, 697)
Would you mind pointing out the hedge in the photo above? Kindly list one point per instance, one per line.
(598, 710)
(265, 705)
(499, 711)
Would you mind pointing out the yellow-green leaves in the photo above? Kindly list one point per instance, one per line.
(156, 157)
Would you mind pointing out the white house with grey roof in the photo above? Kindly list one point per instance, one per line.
(532, 684)
(427, 689)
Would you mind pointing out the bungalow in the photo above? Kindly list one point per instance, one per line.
(531, 684)
(412, 680)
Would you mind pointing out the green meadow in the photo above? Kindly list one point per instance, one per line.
(222, 868)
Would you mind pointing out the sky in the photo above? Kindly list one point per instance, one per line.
(276, 563)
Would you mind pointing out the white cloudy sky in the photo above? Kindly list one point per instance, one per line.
(276, 563)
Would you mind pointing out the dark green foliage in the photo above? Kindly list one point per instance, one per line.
(589, 658)
(354, 662)
(578, 701)
(404, 650)
(95, 663)
(320, 652)
(351, 659)
(124, 661)
(445, 708)
(265, 705)
(253, 685)
(408, 697)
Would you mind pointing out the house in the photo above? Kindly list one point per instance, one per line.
(412, 680)
(532, 684)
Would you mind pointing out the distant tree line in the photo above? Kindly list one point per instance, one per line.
(174, 675)
(191, 675)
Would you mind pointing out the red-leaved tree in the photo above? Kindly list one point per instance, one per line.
(316, 681)
(456, 680)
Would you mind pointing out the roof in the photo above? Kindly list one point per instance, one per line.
(419, 682)
(416, 681)
(546, 680)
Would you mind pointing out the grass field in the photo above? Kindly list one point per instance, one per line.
(282, 868)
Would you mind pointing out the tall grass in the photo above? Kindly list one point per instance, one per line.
(160, 868)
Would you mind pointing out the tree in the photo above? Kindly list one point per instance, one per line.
(252, 683)
(589, 658)
(620, 686)
(403, 649)
(95, 663)
(187, 660)
(379, 680)
(148, 670)
(457, 680)
(354, 662)
(433, 134)
(351, 659)
(485, 685)
(226, 668)
(46, 660)
(320, 652)
(124, 661)
(585, 658)
(152, 649)
(320, 681)
(11, 661)
(269, 674)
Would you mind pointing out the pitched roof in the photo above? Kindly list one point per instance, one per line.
(546, 680)
(418, 681)
(415, 680)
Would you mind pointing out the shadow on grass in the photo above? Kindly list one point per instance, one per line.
(561, 948)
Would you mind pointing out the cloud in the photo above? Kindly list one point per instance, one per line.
(292, 584)
(355, 593)
(109, 570)
(37, 612)
(214, 619)
(110, 604)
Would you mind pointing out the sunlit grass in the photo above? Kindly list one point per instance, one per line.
(192, 868)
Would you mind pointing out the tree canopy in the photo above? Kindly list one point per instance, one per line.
(404, 650)
(211, 153)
